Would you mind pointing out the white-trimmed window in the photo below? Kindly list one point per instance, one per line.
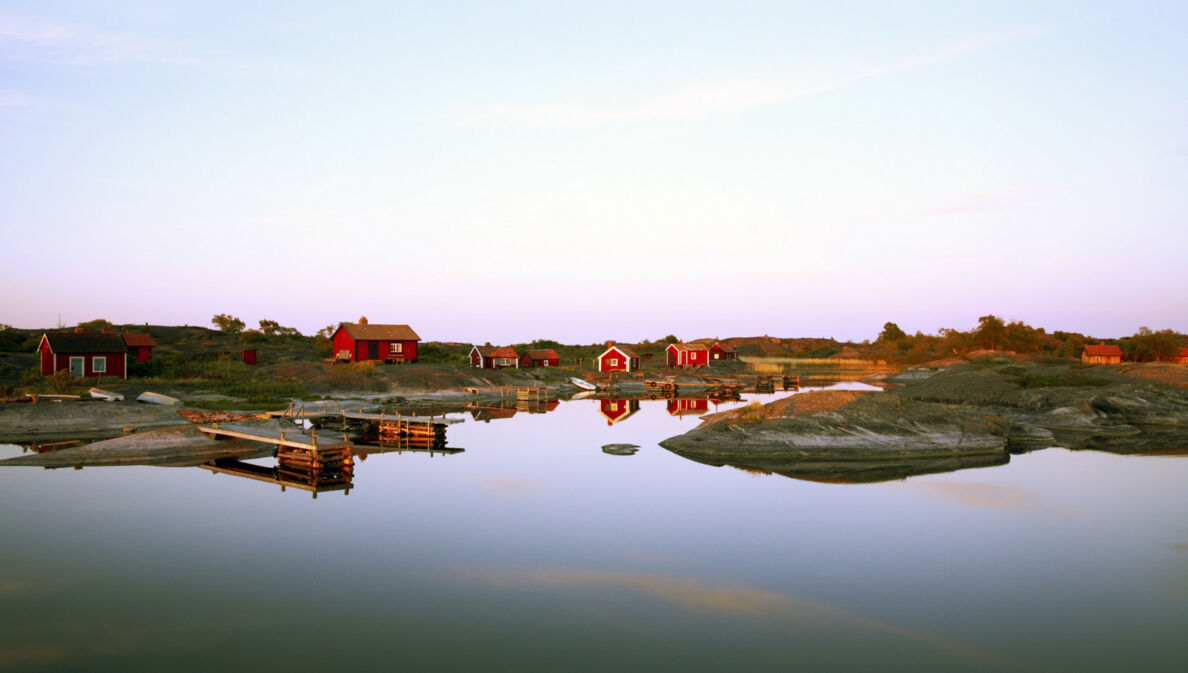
(544, 363)
(396, 348)
(612, 362)
(99, 364)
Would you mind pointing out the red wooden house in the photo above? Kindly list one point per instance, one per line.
(544, 358)
(494, 357)
(140, 346)
(617, 410)
(83, 354)
(617, 359)
(356, 342)
(1181, 358)
(684, 407)
(721, 351)
(687, 355)
(1101, 354)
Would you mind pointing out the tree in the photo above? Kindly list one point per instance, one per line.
(97, 324)
(990, 331)
(326, 332)
(269, 327)
(671, 339)
(891, 333)
(228, 323)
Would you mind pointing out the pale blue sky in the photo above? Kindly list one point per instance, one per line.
(584, 171)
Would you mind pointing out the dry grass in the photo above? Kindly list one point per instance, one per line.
(1166, 373)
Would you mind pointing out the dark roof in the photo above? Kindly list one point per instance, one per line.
(139, 340)
(1103, 350)
(622, 349)
(69, 342)
(549, 354)
(371, 332)
(725, 348)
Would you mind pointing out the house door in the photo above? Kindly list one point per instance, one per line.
(76, 366)
(372, 350)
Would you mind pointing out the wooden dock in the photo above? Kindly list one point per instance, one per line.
(307, 462)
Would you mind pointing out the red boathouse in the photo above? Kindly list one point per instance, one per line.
(494, 357)
(617, 359)
(543, 358)
(140, 346)
(687, 355)
(357, 342)
(83, 354)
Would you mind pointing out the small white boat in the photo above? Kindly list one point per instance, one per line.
(584, 385)
(105, 395)
(158, 398)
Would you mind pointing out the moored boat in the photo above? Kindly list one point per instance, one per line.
(584, 385)
(106, 395)
(158, 398)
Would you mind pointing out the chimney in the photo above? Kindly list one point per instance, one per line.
(363, 320)
(78, 330)
(609, 344)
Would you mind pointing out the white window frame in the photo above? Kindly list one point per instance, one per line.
(612, 362)
(396, 348)
(96, 361)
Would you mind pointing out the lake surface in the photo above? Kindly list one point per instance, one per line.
(535, 550)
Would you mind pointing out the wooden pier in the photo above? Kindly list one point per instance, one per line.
(302, 461)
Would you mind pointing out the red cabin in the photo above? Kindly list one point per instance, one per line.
(493, 357)
(617, 410)
(1101, 354)
(1181, 358)
(721, 351)
(687, 355)
(682, 407)
(617, 359)
(83, 354)
(544, 358)
(140, 346)
(357, 342)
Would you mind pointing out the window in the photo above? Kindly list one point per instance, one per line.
(396, 348)
(545, 363)
(612, 362)
(99, 364)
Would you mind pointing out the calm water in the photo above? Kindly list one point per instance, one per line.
(535, 550)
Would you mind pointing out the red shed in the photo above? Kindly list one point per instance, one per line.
(617, 359)
(544, 358)
(617, 410)
(248, 355)
(494, 357)
(140, 346)
(1181, 357)
(83, 354)
(356, 342)
(1101, 354)
(687, 355)
(721, 351)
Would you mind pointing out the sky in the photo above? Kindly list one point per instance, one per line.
(502, 172)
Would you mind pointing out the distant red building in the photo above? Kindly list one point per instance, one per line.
(1101, 354)
(1181, 357)
(357, 342)
(494, 357)
(543, 358)
(617, 359)
(140, 346)
(684, 407)
(721, 351)
(83, 354)
(687, 355)
(617, 410)
(248, 355)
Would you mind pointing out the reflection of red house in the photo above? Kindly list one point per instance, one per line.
(687, 355)
(617, 410)
(543, 358)
(140, 346)
(682, 407)
(488, 414)
(356, 342)
(1181, 357)
(83, 354)
(721, 351)
(1101, 354)
(491, 357)
(618, 359)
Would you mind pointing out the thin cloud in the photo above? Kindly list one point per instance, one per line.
(46, 41)
(14, 99)
(721, 96)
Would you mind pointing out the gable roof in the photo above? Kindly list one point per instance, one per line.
(689, 347)
(369, 332)
(1103, 350)
(496, 352)
(725, 348)
(622, 349)
(548, 354)
(69, 342)
(138, 340)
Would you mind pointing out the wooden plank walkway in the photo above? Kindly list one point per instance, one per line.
(275, 437)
